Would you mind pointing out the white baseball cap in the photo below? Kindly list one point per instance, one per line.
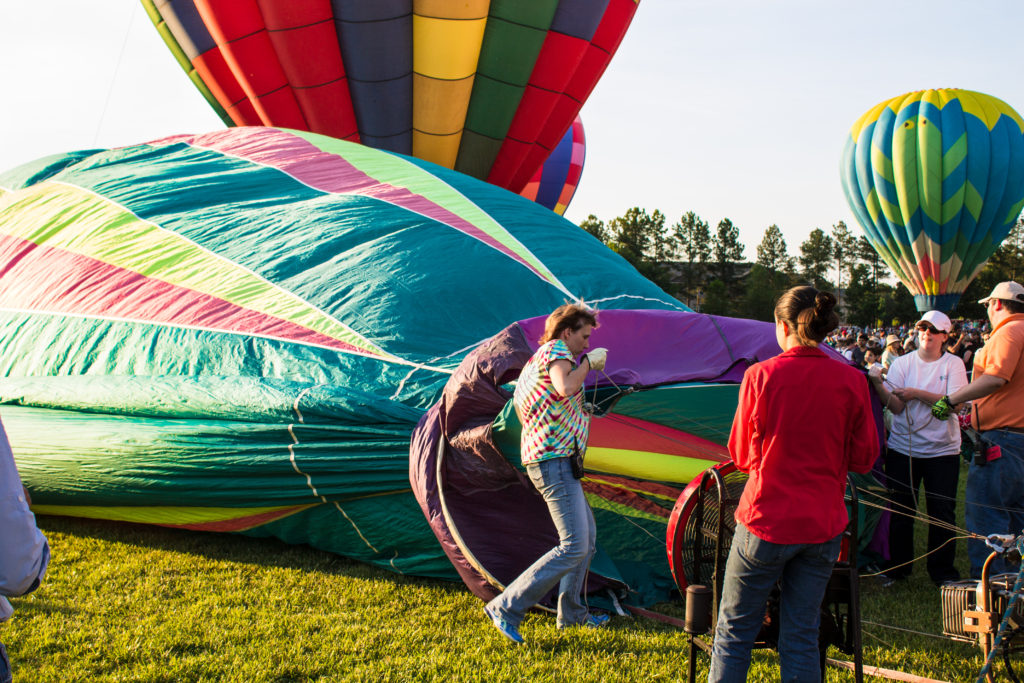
(938, 320)
(1009, 290)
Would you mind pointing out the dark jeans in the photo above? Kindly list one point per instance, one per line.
(905, 476)
(753, 567)
(5, 665)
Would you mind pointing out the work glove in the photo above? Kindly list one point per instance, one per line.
(941, 410)
(597, 358)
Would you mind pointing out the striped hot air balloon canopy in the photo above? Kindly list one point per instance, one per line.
(487, 88)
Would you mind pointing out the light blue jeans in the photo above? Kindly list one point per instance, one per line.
(995, 499)
(567, 563)
(753, 568)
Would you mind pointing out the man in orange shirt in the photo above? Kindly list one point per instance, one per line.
(995, 480)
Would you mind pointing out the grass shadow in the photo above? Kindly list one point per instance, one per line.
(234, 548)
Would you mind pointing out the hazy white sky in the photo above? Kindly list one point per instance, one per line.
(733, 108)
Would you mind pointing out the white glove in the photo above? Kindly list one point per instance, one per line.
(597, 358)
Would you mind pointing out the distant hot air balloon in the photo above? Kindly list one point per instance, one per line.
(554, 183)
(485, 88)
(936, 179)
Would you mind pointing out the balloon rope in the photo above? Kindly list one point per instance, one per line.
(906, 511)
(117, 69)
(919, 557)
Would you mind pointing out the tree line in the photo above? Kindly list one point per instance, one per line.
(705, 269)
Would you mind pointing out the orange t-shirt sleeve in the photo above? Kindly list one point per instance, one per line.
(1002, 353)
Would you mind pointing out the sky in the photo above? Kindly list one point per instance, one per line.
(735, 108)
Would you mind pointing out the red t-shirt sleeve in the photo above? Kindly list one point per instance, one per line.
(743, 438)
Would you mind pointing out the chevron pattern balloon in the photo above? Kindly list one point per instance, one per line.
(936, 179)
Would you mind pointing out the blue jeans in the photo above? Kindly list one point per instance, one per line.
(567, 563)
(5, 665)
(995, 498)
(750, 574)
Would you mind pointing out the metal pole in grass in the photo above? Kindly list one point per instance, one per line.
(698, 621)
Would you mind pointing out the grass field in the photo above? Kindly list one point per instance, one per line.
(133, 603)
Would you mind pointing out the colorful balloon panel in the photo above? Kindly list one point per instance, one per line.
(555, 183)
(239, 331)
(485, 87)
(936, 180)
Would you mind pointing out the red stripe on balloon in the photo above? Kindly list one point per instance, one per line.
(633, 434)
(46, 279)
(649, 487)
(238, 28)
(214, 71)
(607, 37)
(239, 523)
(556, 62)
(626, 498)
(929, 268)
(306, 45)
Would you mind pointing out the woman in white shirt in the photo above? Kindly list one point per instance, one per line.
(922, 449)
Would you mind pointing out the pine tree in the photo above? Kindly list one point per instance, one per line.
(843, 249)
(816, 257)
(691, 238)
(726, 249)
(771, 252)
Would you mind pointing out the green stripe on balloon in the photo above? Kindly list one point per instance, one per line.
(79, 221)
(402, 173)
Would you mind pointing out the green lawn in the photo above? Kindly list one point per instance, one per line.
(133, 603)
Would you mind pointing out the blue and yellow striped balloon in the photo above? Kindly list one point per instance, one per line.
(936, 179)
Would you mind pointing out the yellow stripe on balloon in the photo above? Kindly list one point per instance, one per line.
(869, 117)
(987, 108)
(881, 164)
(437, 127)
(446, 49)
(161, 514)
(873, 205)
(645, 464)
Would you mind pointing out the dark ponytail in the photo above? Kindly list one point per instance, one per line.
(810, 314)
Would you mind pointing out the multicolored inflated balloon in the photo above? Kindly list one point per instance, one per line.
(936, 179)
(555, 183)
(239, 331)
(487, 88)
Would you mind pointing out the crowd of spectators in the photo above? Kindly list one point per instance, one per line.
(883, 345)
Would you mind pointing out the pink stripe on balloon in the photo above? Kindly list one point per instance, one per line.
(46, 279)
(332, 173)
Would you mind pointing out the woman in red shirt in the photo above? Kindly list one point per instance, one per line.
(802, 422)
